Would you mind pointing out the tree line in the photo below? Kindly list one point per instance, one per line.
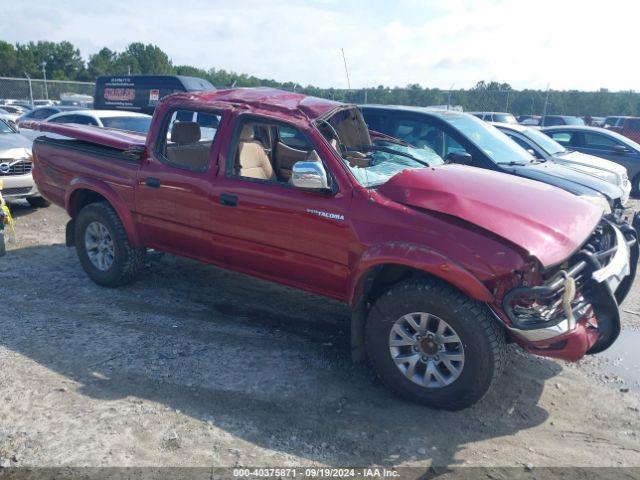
(63, 61)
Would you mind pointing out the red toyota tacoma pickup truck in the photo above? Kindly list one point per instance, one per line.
(441, 264)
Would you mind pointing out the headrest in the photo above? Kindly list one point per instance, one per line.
(246, 134)
(185, 133)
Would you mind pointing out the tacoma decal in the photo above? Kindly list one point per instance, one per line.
(332, 216)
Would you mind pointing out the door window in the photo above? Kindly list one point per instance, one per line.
(189, 136)
(266, 151)
(523, 144)
(423, 135)
(598, 142)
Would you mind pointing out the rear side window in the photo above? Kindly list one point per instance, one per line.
(42, 113)
(189, 136)
(563, 138)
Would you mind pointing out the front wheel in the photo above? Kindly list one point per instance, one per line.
(431, 344)
(103, 247)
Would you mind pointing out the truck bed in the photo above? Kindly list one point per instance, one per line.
(83, 157)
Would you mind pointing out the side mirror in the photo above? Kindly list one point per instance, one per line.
(532, 152)
(620, 149)
(309, 175)
(463, 158)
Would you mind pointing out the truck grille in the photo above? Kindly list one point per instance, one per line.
(19, 168)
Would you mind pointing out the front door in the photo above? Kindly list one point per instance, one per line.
(271, 228)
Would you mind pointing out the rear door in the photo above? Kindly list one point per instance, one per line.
(174, 202)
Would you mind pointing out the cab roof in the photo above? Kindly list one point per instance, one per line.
(264, 100)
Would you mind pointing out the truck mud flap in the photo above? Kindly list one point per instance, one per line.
(69, 233)
(605, 308)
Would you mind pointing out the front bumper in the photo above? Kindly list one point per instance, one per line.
(18, 186)
(576, 310)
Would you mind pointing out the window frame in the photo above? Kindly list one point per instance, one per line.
(164, 131)
(244, 118)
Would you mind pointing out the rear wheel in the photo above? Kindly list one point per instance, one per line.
(38, 202)
(103, 247)
(431, 344)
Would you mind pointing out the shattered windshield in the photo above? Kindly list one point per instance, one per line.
(372, 162)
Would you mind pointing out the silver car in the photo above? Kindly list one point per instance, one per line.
(15, 167)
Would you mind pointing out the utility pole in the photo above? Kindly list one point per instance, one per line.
(44, 75)
(344, 59)
(546, 102)
(30, 89)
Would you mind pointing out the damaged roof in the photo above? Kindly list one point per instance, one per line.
(265, 99)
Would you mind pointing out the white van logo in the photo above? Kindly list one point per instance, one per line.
(329, 215)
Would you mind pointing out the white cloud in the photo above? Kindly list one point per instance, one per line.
(568, 44)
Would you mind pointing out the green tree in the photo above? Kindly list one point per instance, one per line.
(8, 59)
(101, 63)
(143, 59)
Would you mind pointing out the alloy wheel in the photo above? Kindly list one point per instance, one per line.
(426, 349)
(99, 246)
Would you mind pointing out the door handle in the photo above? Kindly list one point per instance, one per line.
(152, 182)
(228, 200)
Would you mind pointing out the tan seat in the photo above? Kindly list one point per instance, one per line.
(253, 161)
(187, 150)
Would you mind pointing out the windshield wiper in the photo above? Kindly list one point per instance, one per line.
(377, 148)
(512, 163)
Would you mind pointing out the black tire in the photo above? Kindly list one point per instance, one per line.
(38, 202)
(482, 338)
(128, 261)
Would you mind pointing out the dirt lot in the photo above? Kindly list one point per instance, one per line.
(194, 365)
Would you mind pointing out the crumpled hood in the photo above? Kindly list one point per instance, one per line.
(547, 222)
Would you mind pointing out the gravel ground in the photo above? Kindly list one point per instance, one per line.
(193, 365)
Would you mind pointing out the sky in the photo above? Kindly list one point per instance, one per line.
(564, 44)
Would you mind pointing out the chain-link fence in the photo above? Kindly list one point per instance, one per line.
(30, 90)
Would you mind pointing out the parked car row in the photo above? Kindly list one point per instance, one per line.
(446, 238)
